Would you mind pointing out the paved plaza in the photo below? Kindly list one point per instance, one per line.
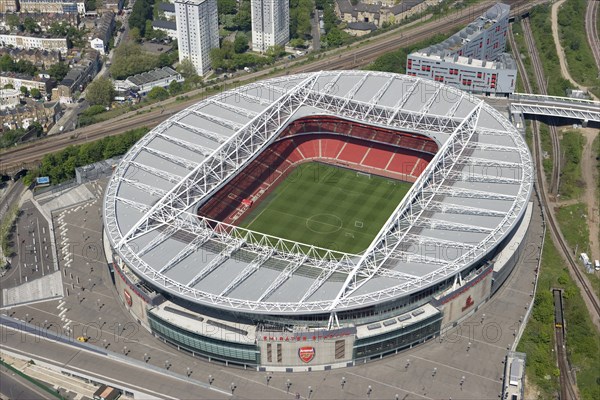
(466, 362)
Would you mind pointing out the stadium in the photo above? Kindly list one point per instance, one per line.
(316, 221)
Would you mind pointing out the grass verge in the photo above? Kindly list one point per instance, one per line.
(542, 28)
(519, 36)
(547, 151)
(573, 221)
(573, 39)
(571, 181)
(583, 339)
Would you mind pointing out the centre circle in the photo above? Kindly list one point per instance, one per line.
(324, 223)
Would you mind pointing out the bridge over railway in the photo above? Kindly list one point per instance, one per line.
(555, 106)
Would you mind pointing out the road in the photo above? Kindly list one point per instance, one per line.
(14, 386)
(359, 54)
(102, 367)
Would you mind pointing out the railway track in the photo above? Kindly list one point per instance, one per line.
(554, 228)
(566, 381)
(542, 85)
(591, 24)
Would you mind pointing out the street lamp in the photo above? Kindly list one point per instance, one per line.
(167, 364)
(343, 381)
(146, 358)
(233, 387)
(369, 390)
(189, 371)
(210, 379)
(288, 384)
(268, 379)
(434, 372)
(309, 392)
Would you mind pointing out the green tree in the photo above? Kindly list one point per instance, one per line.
(24, 90)
(6, 63)
(175, 87)
(298, 43)
(13, 21)
(9, 86)
(35, 93)
(188, 72)
(90, 5)
(129, 59)
(100, 92)
(243, 18)
(158, 93)
(135, 34)
(240, 44)
(30, 25)
(227, 6)
(58, 71)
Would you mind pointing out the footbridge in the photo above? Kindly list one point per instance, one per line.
(555, 106)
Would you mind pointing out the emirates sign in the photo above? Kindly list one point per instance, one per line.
(306, 353)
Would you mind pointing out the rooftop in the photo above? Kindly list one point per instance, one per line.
(150, 202)
(504, 62)
(470, 32)
(152, 76)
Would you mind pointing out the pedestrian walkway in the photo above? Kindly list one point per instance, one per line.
(48, 287)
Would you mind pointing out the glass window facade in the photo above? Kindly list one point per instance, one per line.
(209, 347)
(398, 339)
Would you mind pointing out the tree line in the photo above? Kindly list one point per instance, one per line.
(60, 166)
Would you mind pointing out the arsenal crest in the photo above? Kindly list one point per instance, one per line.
(306, 353)
(468, 303)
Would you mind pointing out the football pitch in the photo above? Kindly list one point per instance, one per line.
(327, 206)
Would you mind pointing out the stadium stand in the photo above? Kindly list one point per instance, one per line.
(325, 139)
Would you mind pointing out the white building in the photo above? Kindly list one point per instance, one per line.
(33, 42)
(270, 23)
(9, 98)
(197, 31)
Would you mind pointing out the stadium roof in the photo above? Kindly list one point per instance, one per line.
(468, 199)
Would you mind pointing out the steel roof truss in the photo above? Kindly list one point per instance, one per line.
(182, 162)
(238, 110)
(246, 272)
(205, 151)
(438, 224)
(226, 123)
(189, 248)
(283, 277)
(157, 172)
(151, 190)
(200, 131)
(448, 208)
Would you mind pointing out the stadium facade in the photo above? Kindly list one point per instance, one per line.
(189, 274)
(472, 59)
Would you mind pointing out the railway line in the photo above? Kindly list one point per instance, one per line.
(542, 85)
(591, 28)
(359, 54)
(567, 388)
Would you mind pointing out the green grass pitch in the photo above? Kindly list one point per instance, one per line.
(326, 206)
